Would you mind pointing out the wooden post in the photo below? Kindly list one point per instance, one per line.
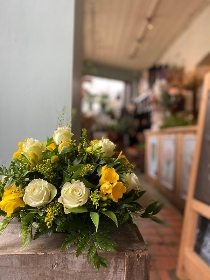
(191, 265)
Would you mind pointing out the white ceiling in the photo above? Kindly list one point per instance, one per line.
(116, 34)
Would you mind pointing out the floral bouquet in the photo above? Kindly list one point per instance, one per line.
(86, 190)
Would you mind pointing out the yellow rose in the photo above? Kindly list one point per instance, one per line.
(11, 200)
(109, 175)
(63, 144)
(51, 147)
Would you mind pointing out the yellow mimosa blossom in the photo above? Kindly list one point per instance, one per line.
(19, 151)
(16, 154)
(20, 146)
(109, 175)
(63, 144)
(11, 200)
(94, 141)
(89, 149)
(54, 159)
(51, 147)
(117, 191)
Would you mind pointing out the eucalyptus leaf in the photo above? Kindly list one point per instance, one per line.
(79, 209)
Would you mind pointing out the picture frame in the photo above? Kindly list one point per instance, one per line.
(168, 163)
(153, 157)
(188, 149)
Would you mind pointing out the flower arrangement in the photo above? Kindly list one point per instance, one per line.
(86, 190)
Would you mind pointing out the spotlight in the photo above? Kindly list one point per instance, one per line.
(150, 26)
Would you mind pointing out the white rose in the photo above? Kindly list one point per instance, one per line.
(39, 192)
(62, 134)
(73, 194)
(132, 181)
(33, 145)
(107, 147)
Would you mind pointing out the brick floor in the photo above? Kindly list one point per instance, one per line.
(163, 241)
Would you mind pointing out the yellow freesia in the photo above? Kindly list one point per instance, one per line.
(63, 144)
(11, 200)
(117, 191)
(122, 156)
(109, 175)
(106, 188)
(51, 147)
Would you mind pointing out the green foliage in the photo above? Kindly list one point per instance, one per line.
(112, 216)
(4, 223)
(174, 120)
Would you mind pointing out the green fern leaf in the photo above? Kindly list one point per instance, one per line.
(104, 242)
(91, 253)
(83, 244)
(99, 261)
(71, 239)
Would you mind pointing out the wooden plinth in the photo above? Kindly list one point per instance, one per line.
(44, 260)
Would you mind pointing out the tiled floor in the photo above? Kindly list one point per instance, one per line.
(163, 241)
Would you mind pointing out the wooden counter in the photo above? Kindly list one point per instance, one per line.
(168, 159)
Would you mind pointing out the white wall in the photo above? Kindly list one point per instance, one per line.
(36, 58)
(192, 45)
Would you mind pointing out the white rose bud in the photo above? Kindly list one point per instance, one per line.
(62, 134)
(73, 194)
(39, 192)
(107, 147)
(132, 181)
(35, 146)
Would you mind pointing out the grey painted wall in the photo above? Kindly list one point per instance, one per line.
(36, 60)
(77, 67)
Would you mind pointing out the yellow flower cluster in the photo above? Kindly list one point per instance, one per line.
(11, 200)
(54, 209)
(86, 169)
(47, 169)
(109, 184)
(19, 151)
